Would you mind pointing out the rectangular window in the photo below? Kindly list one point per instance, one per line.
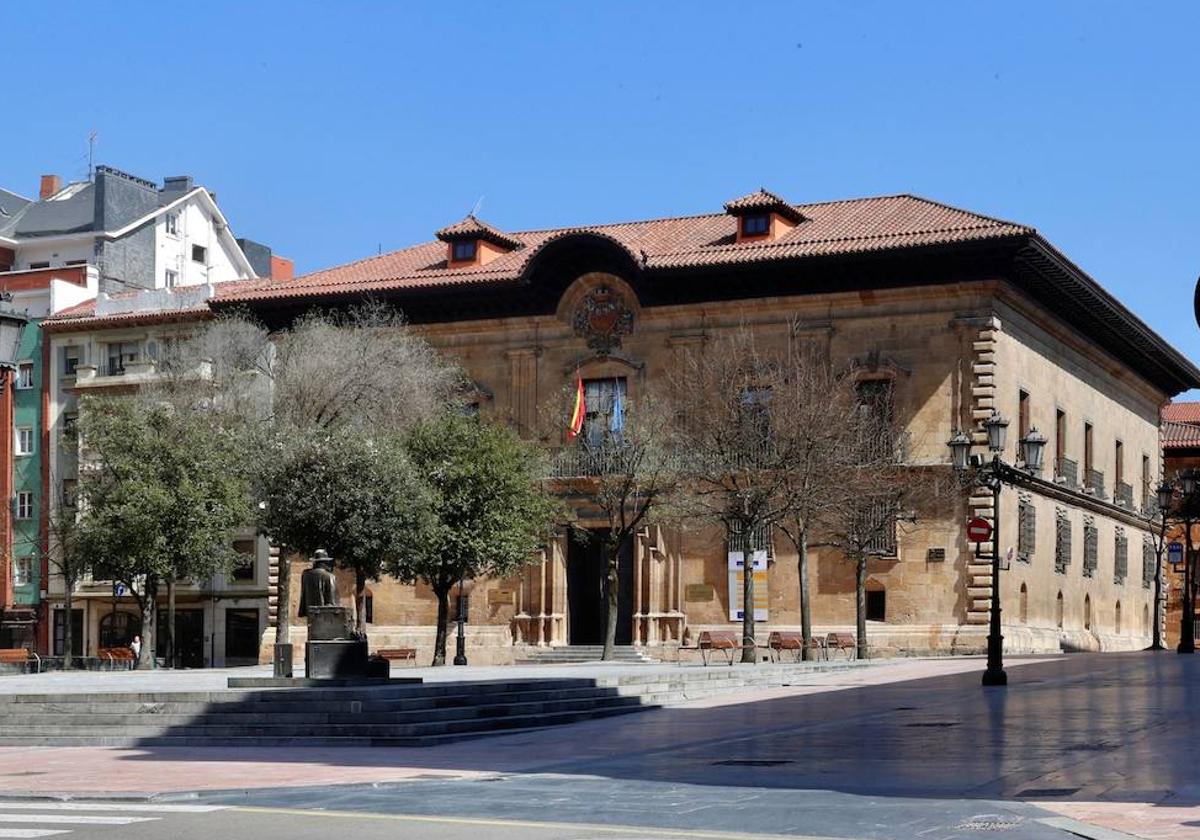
(36, 265)
(1062, 541)
(1022, 415)
(1149, 563)
(1091, 547)
(1146, 483)
(25, 375)
(70, 426)
(243, 567)
(876, 605)
(604, 412)
(24, 442)
(120, 354)
(70, 357)
(75, 262)
(1088, 464)
(757, 225)
(1119, 463)
(1120, 557)
(22, 570)
(1026, 530)
(464, 251)
(1060, 440)
(23, 508)
(171, 278)
(199, 254)
(172, 224)
(369, 609)
(70, 492)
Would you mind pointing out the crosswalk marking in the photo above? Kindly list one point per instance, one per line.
(73, 819)
(149, 807)
(32, 832)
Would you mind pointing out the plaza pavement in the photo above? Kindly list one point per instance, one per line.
(914, 748)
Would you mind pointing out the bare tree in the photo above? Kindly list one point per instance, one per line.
(821, 408)
(882, 493)
(627, 467)
(742, 449)
(66, 558)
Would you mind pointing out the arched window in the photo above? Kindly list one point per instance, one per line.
(1087, 612)
(1058, 611)
(1118, 612)
(1024, 604)
(117, 629)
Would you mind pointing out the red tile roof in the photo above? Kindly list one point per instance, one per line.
(1182, 412)
(831, 228)
(1179, 435)
(84, 314)
(472, 228)
(763, 200)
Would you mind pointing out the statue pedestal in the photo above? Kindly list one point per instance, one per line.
(327, 624)
(335, 659)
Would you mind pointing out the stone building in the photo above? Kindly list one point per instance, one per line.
(958, 314)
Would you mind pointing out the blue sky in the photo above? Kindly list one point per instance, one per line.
(330, 130)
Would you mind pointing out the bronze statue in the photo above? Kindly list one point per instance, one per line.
(318, 586)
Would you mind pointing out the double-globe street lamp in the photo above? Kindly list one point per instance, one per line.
(993, 475)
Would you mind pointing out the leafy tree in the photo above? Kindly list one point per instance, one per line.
(486, 511)
(160, 495)
(361, 372)
(357, 498)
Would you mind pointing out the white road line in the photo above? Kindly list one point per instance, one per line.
(32, 832)
(72, 819)
(109, 806)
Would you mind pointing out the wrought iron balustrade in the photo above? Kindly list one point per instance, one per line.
(1095, 483)
(1123, 495)
(1066, 473)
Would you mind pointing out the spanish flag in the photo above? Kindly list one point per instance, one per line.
(579, 411)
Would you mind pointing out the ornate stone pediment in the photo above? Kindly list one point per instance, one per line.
(602, 318)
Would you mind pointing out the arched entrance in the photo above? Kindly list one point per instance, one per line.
(117, 629)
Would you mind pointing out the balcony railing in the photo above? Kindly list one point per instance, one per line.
(1095, 483)
(879, 520)
(1066, 473)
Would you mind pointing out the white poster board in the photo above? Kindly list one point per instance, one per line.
(736, 570)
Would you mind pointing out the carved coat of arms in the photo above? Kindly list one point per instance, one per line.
(602, 318)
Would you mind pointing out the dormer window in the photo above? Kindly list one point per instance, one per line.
(464, 251)
(472, 242)
(756, 225)
(762, 216)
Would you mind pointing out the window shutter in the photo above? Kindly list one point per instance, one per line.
(1026, 530)
(1091, 546)
(1149, 563)
(1062, 547)
(1120, 557)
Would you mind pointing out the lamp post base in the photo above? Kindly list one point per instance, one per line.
(460, 651)
(995, 676)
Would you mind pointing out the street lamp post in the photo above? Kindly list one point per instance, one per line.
(1188, 480)
(460, 650)
(1165, 494)
(992, 475)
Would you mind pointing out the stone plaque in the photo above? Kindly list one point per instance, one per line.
(698, 592)
(501, 596)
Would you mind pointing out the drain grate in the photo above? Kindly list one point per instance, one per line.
(1040, 793)
(753, 762)
(989, 822)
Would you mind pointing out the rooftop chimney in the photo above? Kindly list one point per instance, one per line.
(51, 184)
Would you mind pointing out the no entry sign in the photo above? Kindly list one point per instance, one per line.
(979, 530)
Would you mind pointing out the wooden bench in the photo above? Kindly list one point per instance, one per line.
(114, 655)
(725, 641)
(842, 641)
(781, 640)
(20, 656)
(398, 654)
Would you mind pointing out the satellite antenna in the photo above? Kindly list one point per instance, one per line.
(92, 153)
(475, 210)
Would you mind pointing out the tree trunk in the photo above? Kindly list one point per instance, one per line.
(805, 594)
(360, 603)
(443, 622)
(860, 605)
(169, 630)
(612, 592)
(283, 598)
(149, 607)
(68, 633)
(749, 654)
